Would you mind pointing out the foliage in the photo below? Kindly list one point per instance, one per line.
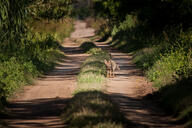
(147, 11)
(51, 9)
(12, 20)
(172, 66)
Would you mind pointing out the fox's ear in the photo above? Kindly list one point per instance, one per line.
(105, 61)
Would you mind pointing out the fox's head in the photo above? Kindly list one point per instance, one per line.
(107, 62)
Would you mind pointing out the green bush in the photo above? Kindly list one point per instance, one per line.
(146, 57)
(11, 76)
(170, 68)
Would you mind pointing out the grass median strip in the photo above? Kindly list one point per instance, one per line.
(90, 107)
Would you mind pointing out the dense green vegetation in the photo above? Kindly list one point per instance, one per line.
(51, 17)
(97, 110)
(158, 33)
(25, 52)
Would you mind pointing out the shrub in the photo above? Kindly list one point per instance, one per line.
(146, 57)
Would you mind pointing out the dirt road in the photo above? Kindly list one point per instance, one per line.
(41, 105)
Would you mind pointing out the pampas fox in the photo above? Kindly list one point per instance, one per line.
(111, 67)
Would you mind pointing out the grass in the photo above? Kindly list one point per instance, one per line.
(59, 29)
(93, 71)
(90, 107)
(96, 111)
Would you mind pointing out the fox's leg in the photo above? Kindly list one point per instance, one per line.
(110, 73)
(107, 73)
(113, 74)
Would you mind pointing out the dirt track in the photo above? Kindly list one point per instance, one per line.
(41, 105)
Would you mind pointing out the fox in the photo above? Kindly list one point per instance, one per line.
(111, 67)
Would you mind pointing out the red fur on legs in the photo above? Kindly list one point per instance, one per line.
(108, 73)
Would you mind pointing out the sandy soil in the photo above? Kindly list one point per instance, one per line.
(41, 105)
